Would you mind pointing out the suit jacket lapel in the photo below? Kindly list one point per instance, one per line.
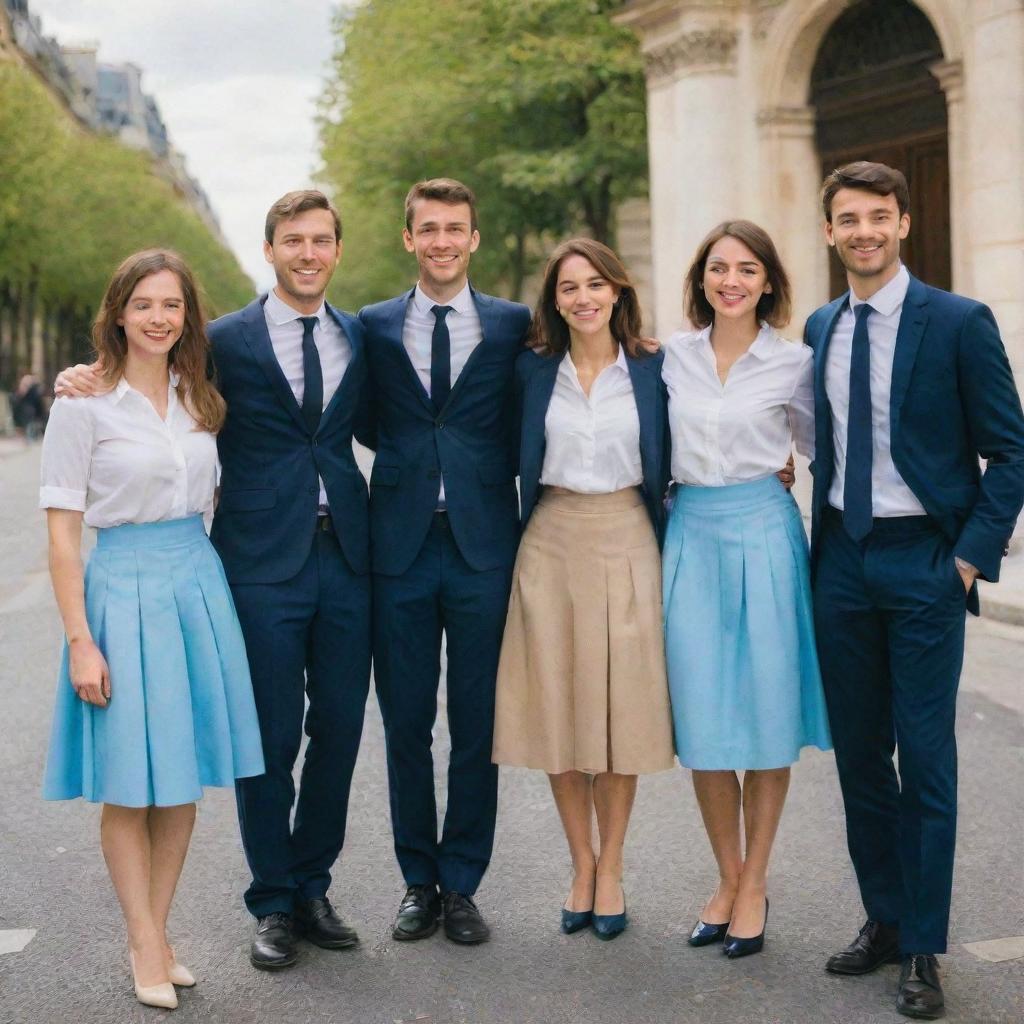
(393, 332)
(488, 325)
(356, 350)
(913, 319)
(257, 338)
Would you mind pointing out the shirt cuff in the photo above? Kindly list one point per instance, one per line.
(62, 497)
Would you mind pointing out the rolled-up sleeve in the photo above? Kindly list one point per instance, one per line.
(67, 455)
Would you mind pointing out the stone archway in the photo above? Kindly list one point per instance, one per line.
(789, 126)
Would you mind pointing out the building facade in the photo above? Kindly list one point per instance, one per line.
(751, 102)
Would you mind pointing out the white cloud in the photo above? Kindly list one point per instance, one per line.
(236, 84)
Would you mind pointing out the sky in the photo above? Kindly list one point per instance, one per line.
(236, 83)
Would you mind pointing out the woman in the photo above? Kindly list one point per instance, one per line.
(742, 668)
(154, 699)
(581, 690)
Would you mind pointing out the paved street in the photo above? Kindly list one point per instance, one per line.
(74, 970)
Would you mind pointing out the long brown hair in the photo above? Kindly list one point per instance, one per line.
(774, 307)
(188, 356)
(549, 333)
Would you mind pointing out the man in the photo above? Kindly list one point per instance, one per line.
(912, 385)
(444, 526)
(292, 530)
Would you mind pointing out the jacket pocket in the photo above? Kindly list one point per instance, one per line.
(249, 500)
(384, 476)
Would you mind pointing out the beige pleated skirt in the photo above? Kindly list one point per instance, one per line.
(581, 681)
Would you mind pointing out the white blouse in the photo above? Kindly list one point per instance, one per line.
(593, 444)
(112, 457)
(745, 428)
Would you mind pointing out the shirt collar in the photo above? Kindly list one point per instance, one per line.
(460, 304)
(889, 297)
(281, 313)
(122, 387)
(761, 347)
(568, 366)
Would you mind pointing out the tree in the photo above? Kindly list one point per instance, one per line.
(537, 105)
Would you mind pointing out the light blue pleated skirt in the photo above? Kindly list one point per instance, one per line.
(739, 630)
(181, 714)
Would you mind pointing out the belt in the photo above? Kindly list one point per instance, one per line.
(887, 524)
(324, 522)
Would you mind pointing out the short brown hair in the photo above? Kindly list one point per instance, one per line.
(774, 307)
(880, 179)
(445, 190)
(291, 204)
(549, 333)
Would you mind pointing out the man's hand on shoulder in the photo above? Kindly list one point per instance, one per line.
(80, 381)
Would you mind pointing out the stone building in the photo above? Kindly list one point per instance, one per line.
(750, 102)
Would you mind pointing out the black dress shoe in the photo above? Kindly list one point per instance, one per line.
(920, 993)
(418, 913)
(734, 947)
(462, 921)
(705, 934)
(273, 945)
(876, 944)
(318, 921)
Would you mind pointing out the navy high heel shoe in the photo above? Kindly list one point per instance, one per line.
(607, 926)
(734, 947)
(705, 934)
(575, 920)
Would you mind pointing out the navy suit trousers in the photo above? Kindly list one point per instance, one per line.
(440, 592)
(889, 613)
(308, 636)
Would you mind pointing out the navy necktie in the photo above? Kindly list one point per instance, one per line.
(857, 481)
(312, 377)
(440, 358)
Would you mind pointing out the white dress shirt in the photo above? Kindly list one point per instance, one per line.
(745, 428)
(464, 332)
(890, 496)
(112, 457)
(592, 443)
(331, 342)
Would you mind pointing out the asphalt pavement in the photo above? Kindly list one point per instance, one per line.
(56, 901)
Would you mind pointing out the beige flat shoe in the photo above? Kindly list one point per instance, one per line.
(162, 995)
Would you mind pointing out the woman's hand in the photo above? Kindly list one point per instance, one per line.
(89, 673)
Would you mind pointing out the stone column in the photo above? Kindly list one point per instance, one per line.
(694, 129)
(993, 110)
(950, 76)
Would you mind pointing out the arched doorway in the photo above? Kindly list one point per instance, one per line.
(875, 98)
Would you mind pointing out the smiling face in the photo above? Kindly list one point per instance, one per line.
(443, 239)
(585, 299)
(734, 280)
(154, 315)
(304, 254)
(866, 230)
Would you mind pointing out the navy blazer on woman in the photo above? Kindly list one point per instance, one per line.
(535, 383)
(470, 441)
(270, 463)
(953, 398)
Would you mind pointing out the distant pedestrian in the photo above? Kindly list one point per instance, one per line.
(912, 387)
(154, 700)
(27, 406)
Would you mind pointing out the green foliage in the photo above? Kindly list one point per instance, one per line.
(537, 105)
(73, 205)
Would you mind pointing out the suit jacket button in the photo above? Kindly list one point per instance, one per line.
(440, 424)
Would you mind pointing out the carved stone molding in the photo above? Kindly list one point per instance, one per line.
(950, 76)
(711, 49)
(764, 14)
(787, 120)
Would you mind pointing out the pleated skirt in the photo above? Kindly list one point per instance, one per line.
(739, 629)
(181, 714)
(581, 680)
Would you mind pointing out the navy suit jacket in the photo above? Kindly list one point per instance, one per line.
(535, 383)
(470, 441)
(270, 463)
(953, 398)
